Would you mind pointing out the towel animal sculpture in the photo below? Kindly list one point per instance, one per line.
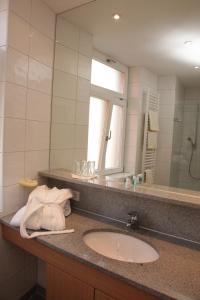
(46, 209)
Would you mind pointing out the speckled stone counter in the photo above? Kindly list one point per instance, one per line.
(175, 275)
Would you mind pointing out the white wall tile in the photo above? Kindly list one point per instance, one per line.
(63, 110)
(83, 92)
(3, 63)
(22, 8)
(13, 167)
(39, 77)
(84, 67)
(38, 106)
(81, 136)
(1, 138)
(17, 67)
(14, 135)
(13, 200)
(18, 35)
(41, 47)
(4, 4)
(63, 136)
(85, 43)
(3, 27)
(36, 161)
(167, 82)
(15, 101)
(79, 154)
(67, 34)
(2, 95)
(62, 159)
(82, 113)
(66, 59)
(43, 18)
(37, 135)
(64, 85)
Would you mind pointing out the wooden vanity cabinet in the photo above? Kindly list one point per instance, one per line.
(62, 286)
(101, 296)
(70, 279)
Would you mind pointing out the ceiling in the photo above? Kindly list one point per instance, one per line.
(62, 5)
(150, 33)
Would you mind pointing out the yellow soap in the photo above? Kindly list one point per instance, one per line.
(29, 183)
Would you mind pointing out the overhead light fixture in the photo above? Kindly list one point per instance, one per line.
(188, 43)
(116, 17)
(196, 67)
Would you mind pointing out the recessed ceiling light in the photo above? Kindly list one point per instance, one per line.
(188, 43)
(116, 17)
(196, 67)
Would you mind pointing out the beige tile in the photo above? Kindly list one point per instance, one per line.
(83, 92)
(22, 8)
(1, 134)
(62, 159)
(84, 67)
(66, 60)
(38, 106)
(4, 4)
(39, 77)
(13, 198)
(85, 43)
(81, 136)
(43, 18)
(82, 113)
(15, 101)
(18, 34)
(14, 135)
(41, 47)
(3, 63)
(63, 110)
(2, 95)
(13, 168)
(80, 154)
(67, 34)
(36, 161)
(62, 136)
(37, 135)
(3, 27)
(64, 85)
(17, 67)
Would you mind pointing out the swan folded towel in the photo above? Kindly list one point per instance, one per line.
(153, 121)
(44, 210)
(152, 140)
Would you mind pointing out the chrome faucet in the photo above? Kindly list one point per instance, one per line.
(133, 221)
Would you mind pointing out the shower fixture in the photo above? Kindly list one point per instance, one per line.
(194, 143)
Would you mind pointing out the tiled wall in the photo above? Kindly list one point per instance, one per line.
(192, 99)
(71, 94)
(26, 60)
(177, 134)
(167, 90)
(140, 79)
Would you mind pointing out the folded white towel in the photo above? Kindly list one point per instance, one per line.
(148, 176)
(152, 140)
(153, 121)
(44, 210)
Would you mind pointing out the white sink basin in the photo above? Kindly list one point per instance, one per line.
(120, 246)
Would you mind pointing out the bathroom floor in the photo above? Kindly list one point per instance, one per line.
(37, 293)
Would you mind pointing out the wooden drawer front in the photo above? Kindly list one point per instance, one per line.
(101, 296)
(61, 286)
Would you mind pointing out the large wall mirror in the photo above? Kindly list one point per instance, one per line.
(126, 90)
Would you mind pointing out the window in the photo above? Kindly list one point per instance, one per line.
(106, 118)
(107, 77)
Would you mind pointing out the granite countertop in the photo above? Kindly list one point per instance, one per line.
(175, 275)
(172, 195)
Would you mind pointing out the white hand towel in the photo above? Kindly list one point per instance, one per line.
(152, 140)
(153, 121)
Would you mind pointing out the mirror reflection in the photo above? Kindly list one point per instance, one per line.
(126, 90)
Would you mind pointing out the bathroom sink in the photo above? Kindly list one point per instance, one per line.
(120, 246)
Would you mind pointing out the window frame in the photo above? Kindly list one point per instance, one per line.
(113, 98)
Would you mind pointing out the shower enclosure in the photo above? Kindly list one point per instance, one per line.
(185, 166)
